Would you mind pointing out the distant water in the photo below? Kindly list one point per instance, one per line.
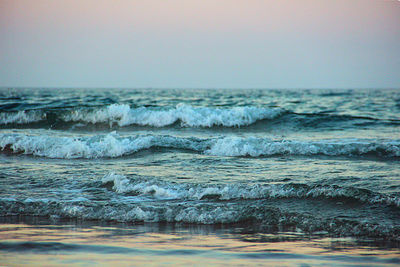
(310, 162)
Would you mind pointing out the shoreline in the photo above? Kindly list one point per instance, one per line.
(105, 243)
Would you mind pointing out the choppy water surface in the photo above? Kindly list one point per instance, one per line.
(317, 163)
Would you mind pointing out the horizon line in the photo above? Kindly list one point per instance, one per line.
(201, 88)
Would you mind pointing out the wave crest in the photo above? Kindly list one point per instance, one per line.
(123, 115)
(99, 146)
(21, 117)
(112, 145)
(164, 190)
(255, 147)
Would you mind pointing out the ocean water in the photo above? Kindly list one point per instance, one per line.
(199, 176)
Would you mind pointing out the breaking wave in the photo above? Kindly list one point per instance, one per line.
(112, 145)
(255, 147)
(254, 213)
(99, 146)
(167, 190)
(21, 117)
(124, 115)
(136, 199)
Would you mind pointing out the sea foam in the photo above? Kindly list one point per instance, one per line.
(67, 147)
(98, 146)
(236, 191)
(21, 117)
(255, 147)
(202, 213)
(113, 145)
(123, 115)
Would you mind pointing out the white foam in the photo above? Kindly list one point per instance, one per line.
(203, 212)
(138, 214)
(122, 185)
(123, 115)
(254, 147)
(120, 182)
(21, 117)
(206, 216)
(168, 190)
(109, 145)
(112, 145)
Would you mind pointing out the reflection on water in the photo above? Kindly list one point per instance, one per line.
(40, 243)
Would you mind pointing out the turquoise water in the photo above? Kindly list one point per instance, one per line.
(311, 167)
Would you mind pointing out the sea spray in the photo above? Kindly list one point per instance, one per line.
(112, 145)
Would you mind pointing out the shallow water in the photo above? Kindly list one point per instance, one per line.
(85, 244)
(320, 165)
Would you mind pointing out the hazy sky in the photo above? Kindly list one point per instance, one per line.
(200, 43)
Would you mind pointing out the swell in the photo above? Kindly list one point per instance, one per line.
(250, 213)
(338, 120)
(21, 117)
(240, 191)
(298, 207)
(112, 145)
(122, 115)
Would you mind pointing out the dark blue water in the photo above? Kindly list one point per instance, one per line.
(311, 162)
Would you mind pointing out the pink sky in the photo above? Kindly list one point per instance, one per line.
(219, 43)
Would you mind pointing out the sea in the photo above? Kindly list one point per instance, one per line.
(194, 177)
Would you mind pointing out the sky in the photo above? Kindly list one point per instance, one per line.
(200, 43)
